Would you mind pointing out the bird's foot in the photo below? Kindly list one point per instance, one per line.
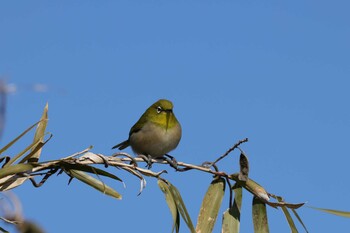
(148, 160)
(171, 161)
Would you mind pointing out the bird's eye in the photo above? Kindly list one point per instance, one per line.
(159, 109)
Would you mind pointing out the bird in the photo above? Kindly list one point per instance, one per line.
(155, 134)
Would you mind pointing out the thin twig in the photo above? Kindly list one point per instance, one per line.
(230, 150)
(79, 153)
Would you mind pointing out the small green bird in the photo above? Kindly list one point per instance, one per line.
(156, 133)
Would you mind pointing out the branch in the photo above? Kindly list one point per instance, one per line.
(79, 164)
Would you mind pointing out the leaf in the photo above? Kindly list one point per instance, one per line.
(288, 217)
(251, 186)
(2, 150)
(181, 207)
(138, 175)
(232, 216)
(335, 212)
(211, 206)
(12, 182)
(281, 203)
(9, 178)
(259, 216)
(95, 183)
(12, 170)
(35, 150)
(171, 204)
(288, 205)
(244, 167)
(89, 169)
(19, 155)
(40, 133)
(229, 223)
(299, 219)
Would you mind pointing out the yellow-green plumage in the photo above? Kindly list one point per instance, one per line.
(156, 133)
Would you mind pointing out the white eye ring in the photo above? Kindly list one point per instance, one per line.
(159, 109)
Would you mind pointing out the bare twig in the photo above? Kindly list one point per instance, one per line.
(79, 153)
(230, 150)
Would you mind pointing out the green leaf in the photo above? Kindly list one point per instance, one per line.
(95, 183)
(299, 219)
(19, 155)
(232, 216)
(335, 212)
(171, 204)
(259, 216)
(9, 178)
(2, 150)
(89, 169)
(244, 167)
(281, 203)
(181, 207)
(34, 150)
(18, 168)
(211, 206)
(288, 216)
(40, 133)
(251, 186)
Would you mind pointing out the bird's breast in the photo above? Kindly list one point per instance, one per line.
(155, 140)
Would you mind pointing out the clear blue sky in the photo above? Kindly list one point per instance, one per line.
(275, 72)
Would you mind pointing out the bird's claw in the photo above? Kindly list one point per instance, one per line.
(148, 160)
(171, 161)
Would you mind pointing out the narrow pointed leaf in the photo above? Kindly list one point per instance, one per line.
(284, 204)
(2, 150)
(11, 182)
(19, 155)
(171, 204)
(40, 133)
(95, 183)
(288, 217)
(89, 169)
(211, 206)
(34, 150)
(335, 212)
(9, 178)
(244, 167)
(281, 203)
(299, 219)
(181, 207)
(138, 175)
(12, 170)
(232, 216)
(259, 216)
(229, 223)
(251, 186)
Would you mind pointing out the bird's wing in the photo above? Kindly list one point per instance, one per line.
(138, 125)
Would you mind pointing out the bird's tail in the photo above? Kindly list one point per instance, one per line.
(122, 145)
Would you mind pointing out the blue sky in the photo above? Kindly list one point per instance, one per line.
(275, 72)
